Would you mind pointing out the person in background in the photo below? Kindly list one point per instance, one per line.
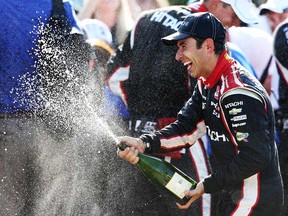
(276, 12)
(115, 14)
(21, 130)
(261, 61)
(224, 104)
(231, 14)
(77, 5)
(280, 51)
(99, 36)
(271, 13)
(152, 4)
(137, 6)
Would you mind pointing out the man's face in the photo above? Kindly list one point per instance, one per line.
(194, 58)
(225, 14)
(276, 18)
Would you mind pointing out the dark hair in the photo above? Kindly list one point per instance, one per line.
(219, 47)
(199, 42)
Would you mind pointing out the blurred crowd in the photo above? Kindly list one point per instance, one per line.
(136, 85)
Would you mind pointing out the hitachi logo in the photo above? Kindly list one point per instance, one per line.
(234, 104)
(166, 19)
(215, 136)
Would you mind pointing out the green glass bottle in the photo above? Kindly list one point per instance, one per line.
(165, 175)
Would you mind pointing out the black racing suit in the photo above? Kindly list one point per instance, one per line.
(154, 87)
(232, 107)
(144, 68)
(281, 116)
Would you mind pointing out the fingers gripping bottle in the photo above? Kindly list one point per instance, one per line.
(165, 176)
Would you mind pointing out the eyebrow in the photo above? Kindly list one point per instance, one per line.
(181, 42)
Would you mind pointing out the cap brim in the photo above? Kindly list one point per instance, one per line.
(269, 6)
(173, 38)
(244, 11)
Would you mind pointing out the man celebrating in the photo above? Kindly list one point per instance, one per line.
(234, 110)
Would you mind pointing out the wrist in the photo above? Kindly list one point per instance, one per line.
(146, 145)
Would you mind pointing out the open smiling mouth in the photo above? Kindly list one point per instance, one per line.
(188, 65)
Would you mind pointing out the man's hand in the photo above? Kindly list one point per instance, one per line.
(134, 146)
(194, 194)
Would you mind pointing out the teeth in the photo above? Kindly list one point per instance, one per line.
(186, 63)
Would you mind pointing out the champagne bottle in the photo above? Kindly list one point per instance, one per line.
(165, 176)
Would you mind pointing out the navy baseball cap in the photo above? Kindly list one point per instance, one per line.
(199, 25)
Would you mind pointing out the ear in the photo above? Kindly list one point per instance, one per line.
(209, 45)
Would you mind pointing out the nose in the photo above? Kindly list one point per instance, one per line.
(178, 55)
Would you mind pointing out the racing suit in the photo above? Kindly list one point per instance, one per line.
(234, 110)
(154, 87)
(281, 116)
(139, 68)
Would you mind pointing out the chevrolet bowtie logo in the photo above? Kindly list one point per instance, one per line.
(235, 111)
